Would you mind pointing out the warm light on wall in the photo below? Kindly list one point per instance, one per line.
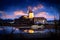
(25, 16)
(31, 31)
(25, 30)
(31, 15)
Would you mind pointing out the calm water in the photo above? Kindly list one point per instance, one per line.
(9, 30)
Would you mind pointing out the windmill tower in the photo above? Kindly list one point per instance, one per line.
(30, 13)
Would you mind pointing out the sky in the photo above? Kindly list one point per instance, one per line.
(11, 9)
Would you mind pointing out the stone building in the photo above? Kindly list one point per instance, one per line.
(41, 20)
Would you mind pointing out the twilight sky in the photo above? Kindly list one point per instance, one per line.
(11, 9)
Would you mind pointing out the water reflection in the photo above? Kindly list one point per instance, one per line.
(9, 30)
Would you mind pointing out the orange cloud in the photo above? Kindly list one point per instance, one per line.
(44, 14)
(38, 7)
(14, 15)
(9, 16)
(19, 13)
(35, 8)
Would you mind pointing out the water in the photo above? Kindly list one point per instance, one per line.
(9, 30)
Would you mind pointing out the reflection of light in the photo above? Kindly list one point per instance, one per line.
(11, 22)
(43, 21)
(14, 28)
(17, 29)
(8, 29)
(31, 31)
(34, 26)
(25, 30)
(39, 31)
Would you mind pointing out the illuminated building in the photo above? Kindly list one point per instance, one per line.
(26, 17)
(30, 14)
(36, 19)
(30, 19)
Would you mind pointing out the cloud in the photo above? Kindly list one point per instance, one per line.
(21, 13)
(29, 7)
(1, 11)
(5, 16)
(44, 14)
(8, 17)
(40, 6)
(16, 13)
